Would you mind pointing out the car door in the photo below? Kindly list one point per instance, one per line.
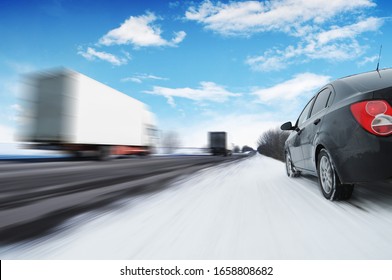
(312, 126)
(296, 137)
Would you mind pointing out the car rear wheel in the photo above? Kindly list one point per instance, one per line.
(331, 186)
(290, 169)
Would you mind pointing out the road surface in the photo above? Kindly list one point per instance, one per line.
(246, 209)
(37, 195)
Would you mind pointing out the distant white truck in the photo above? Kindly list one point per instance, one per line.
(72, 112)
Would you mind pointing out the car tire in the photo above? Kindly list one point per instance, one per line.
(330, 184)
(290, 169)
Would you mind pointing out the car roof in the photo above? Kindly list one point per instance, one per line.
(364, 82)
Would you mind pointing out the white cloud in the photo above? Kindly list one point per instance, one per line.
(249, 17)
(208, 91)
(335, 44)
(178, 38)
(371, 59)
(275, 105)
(242, 129)
(349, 31)
(140, 32)
(312, 22)
(6, 134)
(174, 4)
(16, 107)
(139, 78)
(300, 85)
(133, 79)
(15, 113)
(92, 54)
(272, 60)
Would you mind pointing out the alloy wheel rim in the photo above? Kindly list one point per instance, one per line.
(288, 165)
(326, 174)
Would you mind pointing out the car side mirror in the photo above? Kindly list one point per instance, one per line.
(287, 126)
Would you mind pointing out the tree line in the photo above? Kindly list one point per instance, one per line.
(271, 143)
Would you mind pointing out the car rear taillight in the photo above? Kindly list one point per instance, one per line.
(375, 116)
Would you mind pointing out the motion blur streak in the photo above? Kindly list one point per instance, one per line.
(243, 210)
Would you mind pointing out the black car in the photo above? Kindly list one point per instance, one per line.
(344, 134)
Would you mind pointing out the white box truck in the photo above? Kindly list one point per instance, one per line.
(72, 112)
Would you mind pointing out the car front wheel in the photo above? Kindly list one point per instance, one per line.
(329, 181)
(290, 169)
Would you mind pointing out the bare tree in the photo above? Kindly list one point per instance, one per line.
(271, 143)
(246, 148)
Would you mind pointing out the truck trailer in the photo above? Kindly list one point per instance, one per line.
(218, 143)
(71, 112)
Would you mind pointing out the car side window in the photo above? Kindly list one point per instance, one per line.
(331, 98)
(321, 101)
(305, 113)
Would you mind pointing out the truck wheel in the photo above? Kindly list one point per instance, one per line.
(103, 152)
(331, 186)
(77, 155)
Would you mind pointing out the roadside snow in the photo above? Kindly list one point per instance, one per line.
(244, 210)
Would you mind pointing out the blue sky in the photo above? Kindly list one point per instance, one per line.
(237, 66)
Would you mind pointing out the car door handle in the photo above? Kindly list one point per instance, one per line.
(316, 122)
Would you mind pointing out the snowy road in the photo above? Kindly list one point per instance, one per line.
(242, 210)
